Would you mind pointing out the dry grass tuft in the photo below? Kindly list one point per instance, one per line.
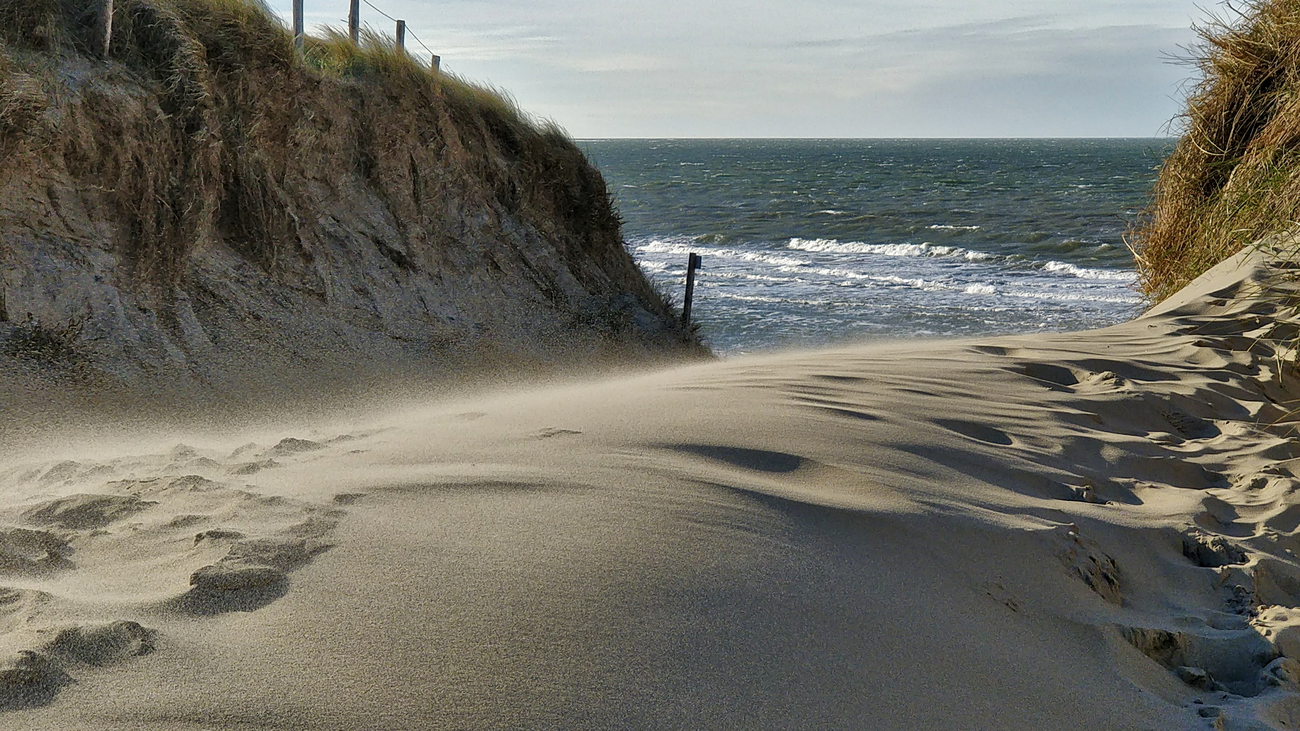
(22, 101)
(38, 24)
(235, 129)
(1234, 177)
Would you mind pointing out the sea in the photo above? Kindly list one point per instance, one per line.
(810, 243)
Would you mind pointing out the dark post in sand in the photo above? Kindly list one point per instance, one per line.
(297, 24)
(435, 61)
(354, 21)
(401, 35)
(691, 265)
(104, 28)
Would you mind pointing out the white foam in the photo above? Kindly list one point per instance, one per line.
(831, 246)
(980, 289)
(847, 277)
(1077, 297)
(947, 227)
(1061, 267)
(658, 246)
(786, 300)
(750, 277)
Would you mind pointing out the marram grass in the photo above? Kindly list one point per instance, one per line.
(235, 93)
(1234, 177)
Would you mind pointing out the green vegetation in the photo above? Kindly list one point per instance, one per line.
(1234, 177)
(236, 126)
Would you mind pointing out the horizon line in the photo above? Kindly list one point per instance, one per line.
(870, 139)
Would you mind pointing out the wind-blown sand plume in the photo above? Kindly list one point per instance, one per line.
(1056, 531)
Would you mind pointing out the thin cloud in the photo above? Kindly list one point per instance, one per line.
(819, 67)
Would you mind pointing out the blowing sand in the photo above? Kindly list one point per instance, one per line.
(1067, 531)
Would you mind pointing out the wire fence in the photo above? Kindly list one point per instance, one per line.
(409, 32)
(354, 27)
(104, 28)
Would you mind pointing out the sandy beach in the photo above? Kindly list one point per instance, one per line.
(1052, 531)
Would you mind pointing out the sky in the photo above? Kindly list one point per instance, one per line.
(813, 68)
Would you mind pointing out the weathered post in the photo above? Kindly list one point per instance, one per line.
(401, 35)
(354, 21)
(692, 264)
(297, 24)
(435, 61)
(104, 28)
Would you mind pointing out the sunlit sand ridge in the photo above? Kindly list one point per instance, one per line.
(1054, 531)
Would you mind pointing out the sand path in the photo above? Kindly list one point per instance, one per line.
(1058, 531)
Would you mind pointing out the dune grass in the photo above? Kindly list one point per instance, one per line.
(236, 96)
(1234, 177)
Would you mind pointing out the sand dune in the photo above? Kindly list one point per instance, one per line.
(1057, 531)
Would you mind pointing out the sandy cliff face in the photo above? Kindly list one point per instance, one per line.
(206, 208)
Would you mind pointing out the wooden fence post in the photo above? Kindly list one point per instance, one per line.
(692, 264)
(104, 28)
(354, 21)
(401, 35)
(297, 24)
(435, 61)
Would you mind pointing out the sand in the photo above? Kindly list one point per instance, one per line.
(1056, 531)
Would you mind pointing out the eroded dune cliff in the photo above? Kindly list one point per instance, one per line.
(210, 206)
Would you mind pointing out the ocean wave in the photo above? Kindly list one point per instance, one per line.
(789, 301)
(658, 246)
(980, 289)
(750, 277)
(832, 246)
(847, 277)
(1076, 297)
(947, 227)
(767, 300)
(1061, 267)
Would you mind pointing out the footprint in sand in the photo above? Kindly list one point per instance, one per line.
(1088, 563)
(289, 446)
(32, 678)
(1210, 551)
(1191, 427)
(260, 539)
(1221, 517)
(995, 350)
(976, 431)
(25, 551)
(252, 468)
(751, 459)
(84, 512)
(834, 407)
(550, 432)
(1209, 659)
(1051, 374)
(253, 573)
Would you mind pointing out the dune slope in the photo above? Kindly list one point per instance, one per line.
(1057, 531)
(209, 210)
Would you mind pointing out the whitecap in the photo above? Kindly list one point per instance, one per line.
(947, 227)
(1061, 267)
(658, 246)
(979, 289)
(1077, 297)
(832, 246)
